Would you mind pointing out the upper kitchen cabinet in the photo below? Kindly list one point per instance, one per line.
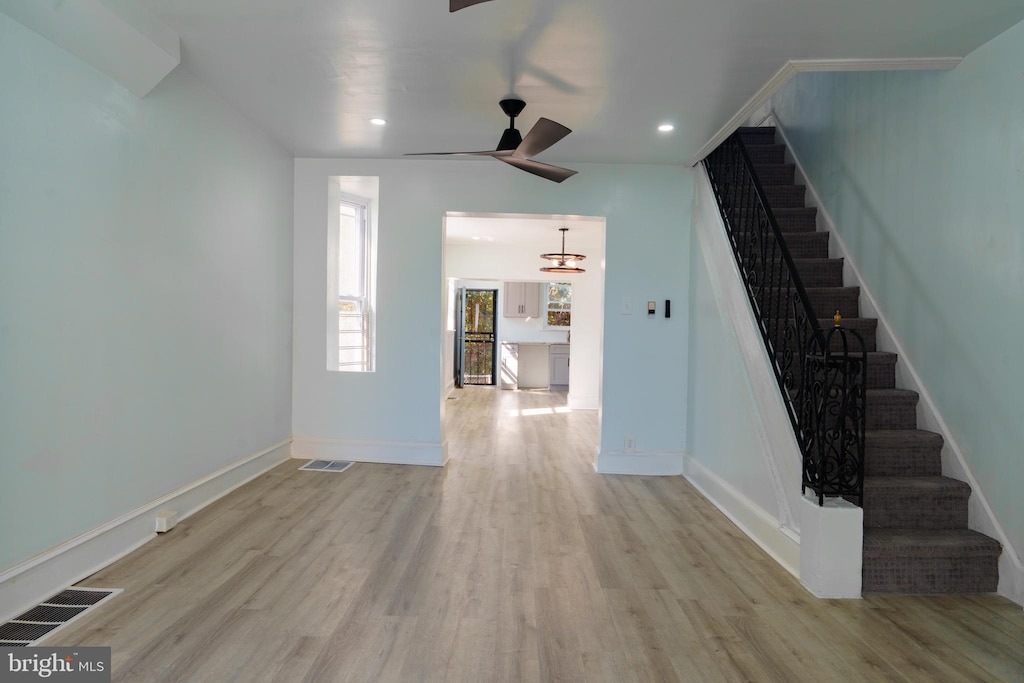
(522, 299)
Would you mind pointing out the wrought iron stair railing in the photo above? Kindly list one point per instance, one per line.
(821, 374)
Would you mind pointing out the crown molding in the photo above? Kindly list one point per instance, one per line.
(795, 66)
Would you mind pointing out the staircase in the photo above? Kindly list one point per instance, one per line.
(916, 538)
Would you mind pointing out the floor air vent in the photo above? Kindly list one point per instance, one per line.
(326, 465)
(49, 616)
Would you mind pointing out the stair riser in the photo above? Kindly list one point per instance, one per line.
(798, 219)
(837, 346)
(866, 332)
(820, 273)
(766, 154)
(902, 454)
(761, 135)
(808, 245)
(791, 221)
(776, 174)
(881, 375)
(875, 378)
(801, 245)
(897, 462)
(900, 509)
(891, 414)
(930, 575)
(825, 301)
(783, 196)
(820, 300)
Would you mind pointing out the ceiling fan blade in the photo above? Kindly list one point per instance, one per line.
(546, 171)
(486, 153)
(456, 5)
(543, 134)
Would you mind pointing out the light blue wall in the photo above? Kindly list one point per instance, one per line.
(924, 175)
(647, 252)
(145, 292)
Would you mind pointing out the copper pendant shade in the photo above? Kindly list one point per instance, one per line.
(563, 262)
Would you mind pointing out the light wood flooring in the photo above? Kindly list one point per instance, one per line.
(516, 562)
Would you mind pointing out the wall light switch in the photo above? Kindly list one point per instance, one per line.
(627, 306)
(651, 307)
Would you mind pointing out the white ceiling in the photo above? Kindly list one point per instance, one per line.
(312, 72)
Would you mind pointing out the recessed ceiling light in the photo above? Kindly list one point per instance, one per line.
(378, 122)
(666, 128)
(476, 237)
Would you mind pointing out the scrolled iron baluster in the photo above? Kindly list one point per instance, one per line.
(823, 388)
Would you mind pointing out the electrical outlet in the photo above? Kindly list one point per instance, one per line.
(630, 443)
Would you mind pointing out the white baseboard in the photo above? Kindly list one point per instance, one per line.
(783, 544)
(651, 463)
(25, 585)
(385, 452)
(582, 402)
(981, 517)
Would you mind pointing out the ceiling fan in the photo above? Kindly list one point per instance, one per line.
(516, 150)
(456, 5)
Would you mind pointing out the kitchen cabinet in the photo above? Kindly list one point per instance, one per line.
(558, 358)
(509, 376)
(533, 365)
(522, 299)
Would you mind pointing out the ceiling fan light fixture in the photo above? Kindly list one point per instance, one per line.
(562, 262)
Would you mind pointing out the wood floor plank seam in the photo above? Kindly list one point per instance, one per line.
(516, 562)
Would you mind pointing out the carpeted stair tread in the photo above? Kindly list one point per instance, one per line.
(937, 484)
(880, 542)
(915, 520)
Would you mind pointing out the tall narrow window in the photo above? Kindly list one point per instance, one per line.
(559, 305)
(350, 283)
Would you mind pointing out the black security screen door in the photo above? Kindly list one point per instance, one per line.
(478, 338)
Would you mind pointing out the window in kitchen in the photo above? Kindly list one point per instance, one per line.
(558, 305)
(350, 282)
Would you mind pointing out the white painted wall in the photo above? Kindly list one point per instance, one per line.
(922, 176)
(395, 409)
(145, 265)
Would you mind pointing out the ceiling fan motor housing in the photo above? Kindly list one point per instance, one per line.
(511, 138)
(512, 106)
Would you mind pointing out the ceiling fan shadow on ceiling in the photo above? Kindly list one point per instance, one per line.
(515, 150)
(456, 5)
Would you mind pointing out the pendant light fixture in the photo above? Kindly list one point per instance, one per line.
(563, 262)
